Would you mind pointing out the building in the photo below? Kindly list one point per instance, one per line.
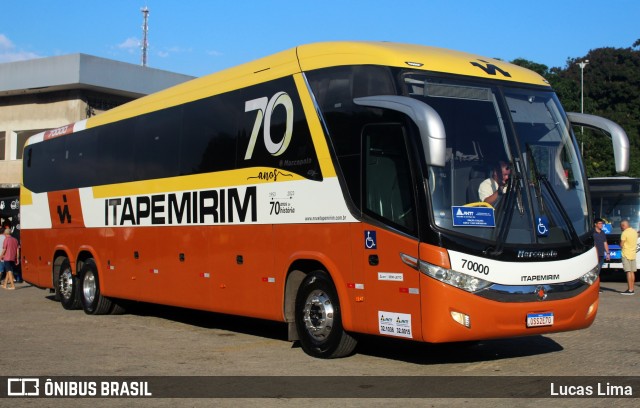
(47, 93)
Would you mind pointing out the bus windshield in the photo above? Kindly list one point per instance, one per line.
(614, 200)
(512, 173)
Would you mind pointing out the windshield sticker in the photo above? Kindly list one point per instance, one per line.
(606, 228)
(542, 226)
(473, 216)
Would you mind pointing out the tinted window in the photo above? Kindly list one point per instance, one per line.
(388, 192)
(114, 155)
(80, 157)
(207, 135)
(157, 143)
(334, 89)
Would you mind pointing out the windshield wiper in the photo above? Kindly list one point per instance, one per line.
(513, 194)
(542, 179)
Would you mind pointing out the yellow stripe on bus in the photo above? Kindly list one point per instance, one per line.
(251, 176)
(317, 133)
(26, 197)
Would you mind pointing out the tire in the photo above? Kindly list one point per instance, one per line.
(92, 300)
(119, 307)
(319, 318)
(67, 287)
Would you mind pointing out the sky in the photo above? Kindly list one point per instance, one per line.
(200, 37)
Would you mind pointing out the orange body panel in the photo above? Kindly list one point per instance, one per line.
(243, 269)
(228, 269)
(492, 319)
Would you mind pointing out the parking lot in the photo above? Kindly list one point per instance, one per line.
(41, 339)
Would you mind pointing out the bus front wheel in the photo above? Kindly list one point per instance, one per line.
(92, 300)
(319, 318)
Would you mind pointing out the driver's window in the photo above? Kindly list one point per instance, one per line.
(387, 184)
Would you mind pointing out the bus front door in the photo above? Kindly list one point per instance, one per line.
(389, 235)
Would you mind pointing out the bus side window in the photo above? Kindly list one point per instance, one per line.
(387, 183)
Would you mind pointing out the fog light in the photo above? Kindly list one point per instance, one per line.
(461, 318)
(592, 309)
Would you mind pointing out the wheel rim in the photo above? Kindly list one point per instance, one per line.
(66, 284)
(89, 286)
(318, 315)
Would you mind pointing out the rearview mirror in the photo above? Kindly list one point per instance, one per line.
(429, 123)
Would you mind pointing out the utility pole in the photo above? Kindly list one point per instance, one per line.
(582, 65)
(145, 30)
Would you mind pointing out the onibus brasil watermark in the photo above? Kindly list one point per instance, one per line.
(32, 387)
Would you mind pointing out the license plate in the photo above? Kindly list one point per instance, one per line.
(612, 265)
(539, 319)
(615, 252)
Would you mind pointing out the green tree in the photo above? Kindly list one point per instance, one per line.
(541, 69)
(611, 90)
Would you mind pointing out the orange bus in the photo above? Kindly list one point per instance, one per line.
(333, 187)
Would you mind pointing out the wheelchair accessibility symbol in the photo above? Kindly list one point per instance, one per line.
(370, 241)
(542, 226)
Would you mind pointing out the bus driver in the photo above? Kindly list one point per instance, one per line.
(492, 188)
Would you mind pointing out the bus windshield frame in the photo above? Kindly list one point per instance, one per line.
(484, 122)
(543, 201)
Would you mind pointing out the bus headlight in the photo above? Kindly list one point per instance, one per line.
(454, 278)
(590, 277)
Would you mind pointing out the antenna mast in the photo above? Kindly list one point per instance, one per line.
(145, 30)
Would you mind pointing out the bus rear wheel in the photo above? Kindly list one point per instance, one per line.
(67, 287)
(319, 318)
(92, 300)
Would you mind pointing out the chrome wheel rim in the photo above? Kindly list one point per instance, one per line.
(66, 284)
(318, 314)
(89, 286)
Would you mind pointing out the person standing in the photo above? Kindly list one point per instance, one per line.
(628, 243)
(11, 257)
(2, 271)
(600, 240)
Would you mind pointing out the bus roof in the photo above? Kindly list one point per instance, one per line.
(321, 55)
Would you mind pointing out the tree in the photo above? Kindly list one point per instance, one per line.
(611, 90)
(541, 69)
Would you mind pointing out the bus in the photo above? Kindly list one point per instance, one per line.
(10, 215)
(329, 187)
(615, 199)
